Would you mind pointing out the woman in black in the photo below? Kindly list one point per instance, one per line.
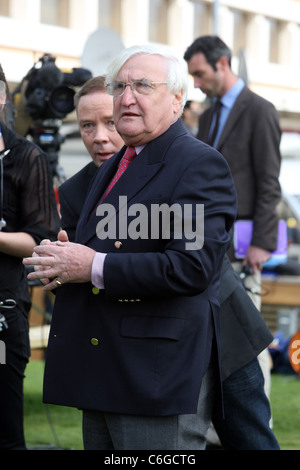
(28, 214)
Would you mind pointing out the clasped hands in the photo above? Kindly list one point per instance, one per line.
(59, 262)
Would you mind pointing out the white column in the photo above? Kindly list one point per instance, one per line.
(289, 44)
(134, 21)
(180, 24)
(258, 38)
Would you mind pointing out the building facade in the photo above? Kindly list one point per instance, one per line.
(264, 36)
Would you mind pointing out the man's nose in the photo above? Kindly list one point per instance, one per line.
(197, 82)
(101, 134)
(128, 96)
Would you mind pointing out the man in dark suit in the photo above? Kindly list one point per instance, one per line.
(94, 109)
(244, 127)
(135, 320)
(240, 320)
(248, 137)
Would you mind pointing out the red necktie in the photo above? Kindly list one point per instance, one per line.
(125, 161)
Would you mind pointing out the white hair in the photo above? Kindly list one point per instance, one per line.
(177, 77)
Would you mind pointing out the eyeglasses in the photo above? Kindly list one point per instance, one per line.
(142, 87)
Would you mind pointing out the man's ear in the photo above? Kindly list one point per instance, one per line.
(223, 62)
(177, 101)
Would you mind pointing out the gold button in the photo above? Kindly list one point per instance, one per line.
(95, 290)
(94, 341)
(118, 244)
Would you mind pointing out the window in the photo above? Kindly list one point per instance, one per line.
(203, 22)
(158, 21)
(239, 37)
(110, 14)
(274, 29)
(55, 12)
(4, 8)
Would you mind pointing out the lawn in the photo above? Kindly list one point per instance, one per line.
(49, 426)
(285, 402)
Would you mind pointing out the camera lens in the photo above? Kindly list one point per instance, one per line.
(61, 101)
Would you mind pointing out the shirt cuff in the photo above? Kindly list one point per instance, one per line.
(97, 270)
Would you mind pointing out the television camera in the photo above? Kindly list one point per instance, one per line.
(43, 98)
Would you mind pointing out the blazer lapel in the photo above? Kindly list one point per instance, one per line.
(100, 183)
(237, 110)
(138, 174)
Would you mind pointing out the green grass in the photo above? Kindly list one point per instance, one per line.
(48, 426)
(60, 427)
(285, 403)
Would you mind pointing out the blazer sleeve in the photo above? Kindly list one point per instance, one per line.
(174, 269)
(266, 160)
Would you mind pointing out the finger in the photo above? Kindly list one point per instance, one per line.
(63, 236)
(33, 276)
(39, 261)
(45, 242)
(50, 286)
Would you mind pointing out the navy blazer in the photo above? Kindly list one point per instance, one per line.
(72, 194)
(142, 345)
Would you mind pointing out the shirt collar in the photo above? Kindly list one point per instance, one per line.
(231, 95)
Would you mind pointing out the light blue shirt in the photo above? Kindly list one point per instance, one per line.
(227, 101)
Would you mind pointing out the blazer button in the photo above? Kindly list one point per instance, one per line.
(118, 244)
(95, 290)
(94, 341)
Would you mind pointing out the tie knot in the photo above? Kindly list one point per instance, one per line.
(129, 153)
(218, 104)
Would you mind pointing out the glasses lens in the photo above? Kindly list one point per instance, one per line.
(115, 88)
(144, 87)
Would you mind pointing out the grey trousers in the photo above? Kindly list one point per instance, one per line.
(107, 431)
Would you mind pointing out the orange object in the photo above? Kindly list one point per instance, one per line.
(294, 352)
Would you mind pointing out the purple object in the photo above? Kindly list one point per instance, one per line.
(243, 235)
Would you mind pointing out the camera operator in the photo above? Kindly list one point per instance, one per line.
(28, 214)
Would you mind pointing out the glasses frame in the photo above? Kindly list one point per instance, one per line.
(132, 86)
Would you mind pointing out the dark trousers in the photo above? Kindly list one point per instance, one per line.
(247, 412)
(16, 342)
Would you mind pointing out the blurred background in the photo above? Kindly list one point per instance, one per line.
(50, 39)
(76, 37)
(264, 36)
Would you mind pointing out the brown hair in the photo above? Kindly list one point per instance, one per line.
(94, 84)
(2, 77)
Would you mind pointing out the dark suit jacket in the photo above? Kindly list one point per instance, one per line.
(72, 194)
(250, 143)
(244, 333)
(142, 345)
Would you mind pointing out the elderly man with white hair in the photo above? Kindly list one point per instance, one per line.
(135, 330)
